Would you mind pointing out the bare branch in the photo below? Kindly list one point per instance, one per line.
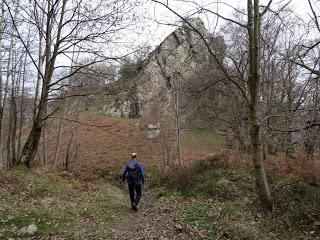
(102, 127)
(266, 8)
(225, 72)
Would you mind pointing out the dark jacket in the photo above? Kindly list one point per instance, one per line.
(139, 168)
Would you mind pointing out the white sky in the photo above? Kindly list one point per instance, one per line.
(158, 28)
(160, 14)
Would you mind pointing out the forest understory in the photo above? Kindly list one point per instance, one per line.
(206, 201)
(213, 197)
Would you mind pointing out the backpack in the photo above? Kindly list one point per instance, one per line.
(132, 175)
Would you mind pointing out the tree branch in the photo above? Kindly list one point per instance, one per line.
(225, 72)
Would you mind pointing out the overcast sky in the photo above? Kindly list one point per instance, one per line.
(158, 27)
(161, 16)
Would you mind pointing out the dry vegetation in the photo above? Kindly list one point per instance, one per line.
(213, 196)
(219, 197)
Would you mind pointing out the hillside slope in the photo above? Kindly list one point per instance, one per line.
(101, 142)
(214, 198)
(98, 142)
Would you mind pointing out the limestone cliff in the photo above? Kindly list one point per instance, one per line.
(180, 58)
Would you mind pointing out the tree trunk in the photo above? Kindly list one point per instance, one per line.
(265, 150)
(2, 28)
(44, 150)
(6, 87)
(40, 62)
(260, 175)
(177, 120)
(72, 148)
(31, 146)
(253, 86)
(14, 131)
(56, 152)
(12, 69)
(63, 116)
(68, 152)
(9, 160)
(4, 98)
(289, 148)
(16, 81)
(21, 122)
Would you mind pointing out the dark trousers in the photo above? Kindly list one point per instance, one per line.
(135, 193)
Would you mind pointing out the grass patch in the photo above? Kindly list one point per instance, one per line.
(58, 207)
(207, 179)
(12, 223)
(182, 180)
(25, 219)
(45, 186)
(202, 139)
(197, 214)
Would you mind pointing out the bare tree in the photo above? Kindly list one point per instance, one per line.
(63, 25)
(176, 88)
(2, 29)
(252, 26)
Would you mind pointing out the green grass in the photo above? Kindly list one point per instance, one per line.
(202, 139)
(45, 186)
(59, 207)
(27, 218)
(197, 214)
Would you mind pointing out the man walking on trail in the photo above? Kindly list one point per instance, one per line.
(134, 175)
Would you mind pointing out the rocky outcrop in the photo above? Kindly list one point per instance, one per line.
(183, 55)
(118, 107)
(179, 60)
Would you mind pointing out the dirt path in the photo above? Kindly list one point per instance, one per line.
(156, 219)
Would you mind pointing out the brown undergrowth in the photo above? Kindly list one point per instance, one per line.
(220, 197)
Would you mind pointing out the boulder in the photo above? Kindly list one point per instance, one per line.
(153, 131)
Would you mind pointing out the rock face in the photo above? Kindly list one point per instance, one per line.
(153, 131)
(115, 109)
(179, 60)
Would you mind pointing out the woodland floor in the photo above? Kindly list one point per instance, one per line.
(215, 199)
(156, 219)
(213, 203)
(67, 209)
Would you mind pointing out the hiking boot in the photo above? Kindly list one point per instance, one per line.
(134, 207)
